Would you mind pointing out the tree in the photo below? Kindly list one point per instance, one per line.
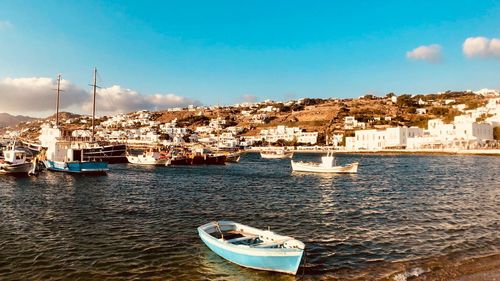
(439, 111)
(281, 142)
(321, 138)
(496, 133)
(297, 107)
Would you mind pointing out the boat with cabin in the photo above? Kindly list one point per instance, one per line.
(327, 165)
(251, 247)
(194, 156)
(275, 153)
(150, 157)
(14, 161)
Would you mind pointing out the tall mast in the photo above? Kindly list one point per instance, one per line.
(57, 101)
(93, 104)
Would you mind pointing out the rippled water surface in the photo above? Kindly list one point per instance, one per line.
(140, 222)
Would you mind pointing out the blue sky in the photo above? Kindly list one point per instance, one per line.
(219, 51)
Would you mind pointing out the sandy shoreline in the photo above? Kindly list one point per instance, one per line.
(477, 268)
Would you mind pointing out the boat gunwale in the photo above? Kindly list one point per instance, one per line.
(252, 250)
(301, 166)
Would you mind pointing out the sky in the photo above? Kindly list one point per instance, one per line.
(159, 54)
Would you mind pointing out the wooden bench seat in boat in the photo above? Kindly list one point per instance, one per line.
(272, 243)
(240, 239)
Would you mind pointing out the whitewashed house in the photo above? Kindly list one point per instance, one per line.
(395, 137)
(350, 123)
(421, 111)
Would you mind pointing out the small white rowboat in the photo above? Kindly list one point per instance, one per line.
(252, 247)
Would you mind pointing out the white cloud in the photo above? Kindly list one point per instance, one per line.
(116, 99)
(36, 96)
(481, 47)
(431, 53)
(4, 24)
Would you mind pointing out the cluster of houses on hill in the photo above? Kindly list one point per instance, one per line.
(139, 128)
(471, 130)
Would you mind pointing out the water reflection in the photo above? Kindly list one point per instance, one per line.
(140, 222)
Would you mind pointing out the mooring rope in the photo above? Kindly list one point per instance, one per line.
(218, 228)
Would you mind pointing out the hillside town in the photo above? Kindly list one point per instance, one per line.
(444, 121)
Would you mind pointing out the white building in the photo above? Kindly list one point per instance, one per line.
(350, 123)
(282, 132)
(421, 111)
(395, 137)
(464, 132)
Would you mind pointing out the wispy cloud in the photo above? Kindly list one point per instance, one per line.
(247, 98)
(5, 24)
(34, 95)
(430, 53)
(481, 47)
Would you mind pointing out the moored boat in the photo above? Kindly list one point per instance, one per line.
(275, 153)
(77, 167)
(62, 155)
(14, 161)
(148, 158)
(251, 247)
(327, 165)
(233, 157)
(198, 156)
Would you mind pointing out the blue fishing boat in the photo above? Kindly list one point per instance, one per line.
(77, 167)
(252, 247)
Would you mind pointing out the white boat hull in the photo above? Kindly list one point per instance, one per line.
(276, 156)
(23, 168)
(140, 160)
(316, 168)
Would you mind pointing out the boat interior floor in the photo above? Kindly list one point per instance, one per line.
(240, 238)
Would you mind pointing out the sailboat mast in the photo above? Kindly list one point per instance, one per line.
(57, 101)
(93, 104)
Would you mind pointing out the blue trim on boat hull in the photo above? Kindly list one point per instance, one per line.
(86, 167)
(286, 263)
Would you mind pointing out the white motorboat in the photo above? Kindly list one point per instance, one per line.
(275, 153)
(327, 165)
(252, 247)
(148, 158)
(15, 162)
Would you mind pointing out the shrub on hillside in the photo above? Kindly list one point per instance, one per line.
(405, 100)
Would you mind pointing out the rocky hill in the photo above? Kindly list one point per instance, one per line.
(325, 116)
(7, 120)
